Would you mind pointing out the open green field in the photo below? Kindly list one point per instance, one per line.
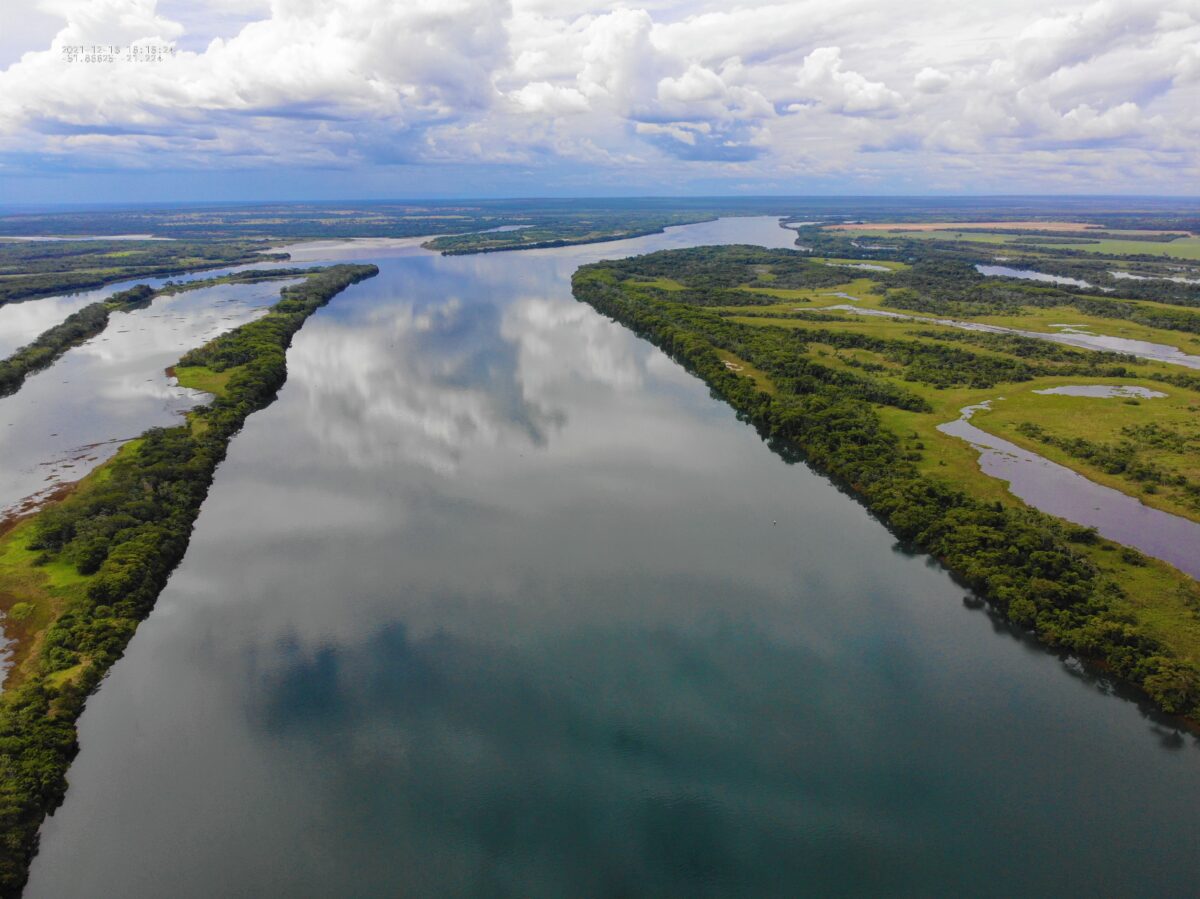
(1087, 418)
(1181, 248)
(888, 264)
(1044, 320)
(1092, 419)
(200, 377)
(869, 294)
(1147, 447)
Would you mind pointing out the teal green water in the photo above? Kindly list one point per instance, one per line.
(497, 601)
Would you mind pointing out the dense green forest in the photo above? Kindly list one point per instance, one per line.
(827, 398)
(82, 573)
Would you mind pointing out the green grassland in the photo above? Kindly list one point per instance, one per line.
(200, 377)
(870, 295)
(1084, 418)
(908, 377)
(744, 369)
(662, 284)
(1181, 248)
(889, 264)
(1149, 448)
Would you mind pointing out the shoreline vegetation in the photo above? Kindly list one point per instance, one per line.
(77, 576)
(92, 320)
(860, 403)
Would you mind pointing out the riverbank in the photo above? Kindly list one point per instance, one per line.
(78, 576)
(849, 412)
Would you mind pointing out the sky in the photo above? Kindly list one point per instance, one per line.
(368, 99)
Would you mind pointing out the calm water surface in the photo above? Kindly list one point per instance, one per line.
(495, 600)
(1060, 491)
(1027, 274)
(1130, 276)
(67, 418)
(23, 321)
(1103, 391)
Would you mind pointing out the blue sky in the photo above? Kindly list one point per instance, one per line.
(329, 99)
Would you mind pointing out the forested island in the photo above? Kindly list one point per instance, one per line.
(596, 228)
(78, 576)
(808, 349)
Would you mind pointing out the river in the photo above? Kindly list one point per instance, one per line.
(22, 321)
(496, 600)
(69, 417)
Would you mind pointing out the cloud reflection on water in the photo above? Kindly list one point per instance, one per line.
(417, 384)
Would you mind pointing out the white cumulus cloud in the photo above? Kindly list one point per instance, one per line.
(782, 94)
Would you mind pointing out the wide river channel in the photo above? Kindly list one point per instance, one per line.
(496, 600)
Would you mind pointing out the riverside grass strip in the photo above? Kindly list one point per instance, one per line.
(1038, 571)
(77, 577)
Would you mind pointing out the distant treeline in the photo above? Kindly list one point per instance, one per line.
(564, 231)
(941, 268)
(30, 269)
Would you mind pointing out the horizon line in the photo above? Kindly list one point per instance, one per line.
(127, 204)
